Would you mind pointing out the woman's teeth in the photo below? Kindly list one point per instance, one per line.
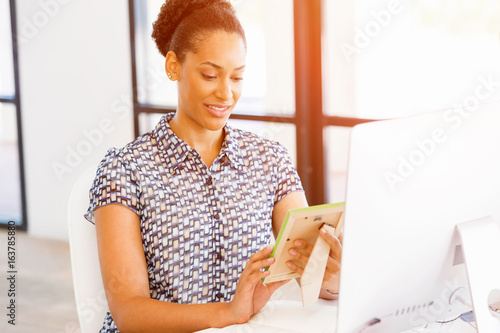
(218, 109)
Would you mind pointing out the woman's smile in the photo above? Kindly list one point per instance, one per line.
(218, 110)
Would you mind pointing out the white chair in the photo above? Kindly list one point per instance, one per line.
(89, 291)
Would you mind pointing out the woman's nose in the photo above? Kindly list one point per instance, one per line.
(224, 91)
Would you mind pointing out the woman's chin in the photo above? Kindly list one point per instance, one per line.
(216, 123)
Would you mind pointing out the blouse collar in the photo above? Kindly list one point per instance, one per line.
(175, 150)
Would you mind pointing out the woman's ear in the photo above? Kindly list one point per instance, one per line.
(172, 66)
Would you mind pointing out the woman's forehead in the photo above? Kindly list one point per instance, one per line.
(220, 48)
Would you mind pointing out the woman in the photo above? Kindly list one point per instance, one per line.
(183, 213)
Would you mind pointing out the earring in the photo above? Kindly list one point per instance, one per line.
(169, 76)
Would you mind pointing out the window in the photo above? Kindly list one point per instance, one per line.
(12, 197)
(402, 58)
(391, 58)
(269, 80)
(317, 68)
(282, 98)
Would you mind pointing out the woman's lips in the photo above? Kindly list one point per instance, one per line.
(218, 110)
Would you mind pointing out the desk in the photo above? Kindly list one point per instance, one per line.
(284, 313)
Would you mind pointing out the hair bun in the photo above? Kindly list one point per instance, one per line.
(171, 14)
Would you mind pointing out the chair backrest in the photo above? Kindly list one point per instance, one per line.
(89, 291)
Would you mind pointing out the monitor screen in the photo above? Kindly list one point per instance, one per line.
(410, 182)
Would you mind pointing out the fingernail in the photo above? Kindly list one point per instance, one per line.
(292, 252)
(297, 243)
(270, 260)
(269, 247)
(289, 264)
(323, 231)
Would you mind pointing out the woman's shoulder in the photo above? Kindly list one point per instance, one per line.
(139, 148)
(250, 141)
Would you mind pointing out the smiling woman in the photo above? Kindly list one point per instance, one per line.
(186, 212)
(208, 80)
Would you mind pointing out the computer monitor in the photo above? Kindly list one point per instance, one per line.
(410, 182)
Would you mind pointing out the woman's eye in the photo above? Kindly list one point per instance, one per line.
(209, 77)
(237, 79)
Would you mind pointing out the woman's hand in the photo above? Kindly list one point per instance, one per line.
(302, 250)
(251, 294)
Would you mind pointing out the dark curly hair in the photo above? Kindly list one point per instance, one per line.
(182, 24)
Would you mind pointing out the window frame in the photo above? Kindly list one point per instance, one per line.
(16, 101)
(309, 118)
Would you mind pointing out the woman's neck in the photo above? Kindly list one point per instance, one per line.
(206, 142)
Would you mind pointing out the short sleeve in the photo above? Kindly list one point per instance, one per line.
(287, 176)
(115, 183)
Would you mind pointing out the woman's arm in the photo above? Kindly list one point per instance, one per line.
(125, 278)
(292, 200)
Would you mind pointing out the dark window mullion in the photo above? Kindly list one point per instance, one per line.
(345, 121)
(135, 103)
(16, 99)
(308, 96)
(153, 109)
(4, 99)
(268, 118)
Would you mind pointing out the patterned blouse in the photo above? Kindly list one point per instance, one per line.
(199, 225)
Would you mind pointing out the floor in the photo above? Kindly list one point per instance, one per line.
(44, 292)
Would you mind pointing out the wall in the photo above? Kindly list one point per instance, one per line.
(76, 98)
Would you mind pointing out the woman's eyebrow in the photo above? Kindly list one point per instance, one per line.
(220, 67)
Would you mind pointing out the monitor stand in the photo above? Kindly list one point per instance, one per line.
(481, 249)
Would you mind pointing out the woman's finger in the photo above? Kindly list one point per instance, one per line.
(294, 267)
(298, 256)
(258, 265)
(303, 246)
(257, 276)
(261, 257)
(273, 286)
(335, 246)
(332, 265)
(264, 253)
(257, 261)
(258, 257)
